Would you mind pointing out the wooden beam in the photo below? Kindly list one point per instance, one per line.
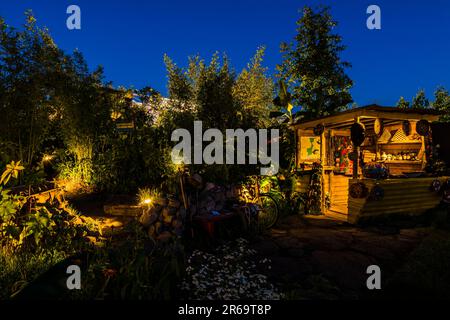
(356, 152)
(366, 114)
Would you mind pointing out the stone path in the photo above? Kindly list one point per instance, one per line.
(323, 258)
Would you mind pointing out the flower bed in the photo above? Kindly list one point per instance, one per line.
(229, 273)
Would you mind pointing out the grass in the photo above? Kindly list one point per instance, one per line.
(426, 273)
(19, 269)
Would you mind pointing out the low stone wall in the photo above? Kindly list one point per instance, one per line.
(163, 219)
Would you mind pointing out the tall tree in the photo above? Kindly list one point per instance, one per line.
(420, 101)
(312, 65)
(213, 93)
(253, 91)
(30, 75)
(442, 103)
(402, 103)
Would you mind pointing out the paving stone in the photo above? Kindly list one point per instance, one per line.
(347, 268)
(289, 242)
(296, 252)
(266, 248)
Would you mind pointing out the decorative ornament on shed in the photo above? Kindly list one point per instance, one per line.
(406, 126)
(423, 127)
(446, 193)
(436, 185)
(357, 133)
(318, 129)
(446, 196)
(358, 190)
(377, 193)
(378, 126)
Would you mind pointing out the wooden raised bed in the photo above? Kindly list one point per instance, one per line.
(122, 210)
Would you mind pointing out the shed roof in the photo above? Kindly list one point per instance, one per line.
(367, 114)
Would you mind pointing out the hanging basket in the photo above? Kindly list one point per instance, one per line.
(319, 129)
(358, 190)
(357, 133)
(423, 127)
(406, 126)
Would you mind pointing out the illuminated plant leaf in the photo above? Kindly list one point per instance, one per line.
(12, 170)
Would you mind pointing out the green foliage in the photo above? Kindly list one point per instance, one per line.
(31, 241)
(253, 91)
(9, 204)
(442, 103)
(402, 103)
(146, 196)
(420, 101)
(214, 94)
(12, 170)
(312, 66)
(20, 268)
(134, 268)
(17, 226)
(30, 67)
(288, 138)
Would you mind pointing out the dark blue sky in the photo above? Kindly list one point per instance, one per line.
(129, 38)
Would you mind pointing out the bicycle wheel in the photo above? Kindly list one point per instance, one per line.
(268, 212)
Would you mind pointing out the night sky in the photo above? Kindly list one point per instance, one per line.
(129, 38)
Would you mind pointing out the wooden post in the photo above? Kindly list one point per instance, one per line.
(296, 139)
(423, 150)
(323, 160)
(356, 160)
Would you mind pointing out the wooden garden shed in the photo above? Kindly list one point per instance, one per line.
(382, 173)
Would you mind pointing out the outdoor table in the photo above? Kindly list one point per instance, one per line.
(208, 221)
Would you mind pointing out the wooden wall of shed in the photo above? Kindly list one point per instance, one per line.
(336, 187)
(401, 196)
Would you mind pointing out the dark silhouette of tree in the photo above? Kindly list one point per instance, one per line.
(312, 66)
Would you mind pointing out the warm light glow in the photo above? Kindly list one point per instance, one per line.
(47, 158)
(147, 201)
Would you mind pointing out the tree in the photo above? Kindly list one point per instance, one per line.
(213, 93)
(253, 91)
(420, 101)
(402, 103)
(442, 103)
(312, 66)
(30, 72)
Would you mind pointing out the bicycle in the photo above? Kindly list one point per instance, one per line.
(260, 208)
